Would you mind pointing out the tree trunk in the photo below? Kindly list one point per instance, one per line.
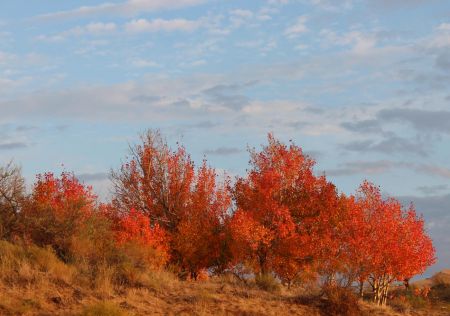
(361, 289)
(376, 291)
(386, 290)
(406, 283)
(262, 264)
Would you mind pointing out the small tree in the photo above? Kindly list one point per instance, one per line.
(134, 229)
(164, 185)
(201, 231)
(12, 195)
(56, 209)
(392, 243)
(266, 226)
(155, 181)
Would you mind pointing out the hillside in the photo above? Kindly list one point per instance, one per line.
(442, 277)
(34, 282)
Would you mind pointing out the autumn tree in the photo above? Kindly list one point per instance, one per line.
(200, 233)
(417, 246)
(155, 180)
(12, 194)
(164, 185)
(354, 243)
(391, 242)
(279, 204)
(57, 208)
(133, 229)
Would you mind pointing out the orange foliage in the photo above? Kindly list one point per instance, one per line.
(270, 209)
(200, 231)
(135, 228)
(390, 242)
(55, 210)
(286, 220)
(189, 205)
(156, 181)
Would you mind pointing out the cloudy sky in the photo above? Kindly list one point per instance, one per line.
(363, 86)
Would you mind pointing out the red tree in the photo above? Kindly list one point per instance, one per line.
(200, 232)
(56, 209)
(156, 181)
(391, 243)
(279, 204)
(134, 229)
(189, 205)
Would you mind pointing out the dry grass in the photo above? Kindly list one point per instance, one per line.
(371, 309)
(103, 309)
(32, 265)
(267, 283)
(34, 282)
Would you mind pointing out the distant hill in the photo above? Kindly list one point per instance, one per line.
(442, 277)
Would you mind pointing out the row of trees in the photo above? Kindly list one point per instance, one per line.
(279, 219)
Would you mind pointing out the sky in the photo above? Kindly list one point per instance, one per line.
(363, 86)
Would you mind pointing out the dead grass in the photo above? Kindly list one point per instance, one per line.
(267, 283)
(34, 282)
(103, 309)
(371, 309)
(32, 265)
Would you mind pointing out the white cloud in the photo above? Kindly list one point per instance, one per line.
(301, 47)
(127, 8)
(444, 27)
(50, 38)
(263, 46)
(264, 17)
(332, 5)
(242, 13)
(297, 28)
(278, 1)
(383, 166)
(363, 44)
(6, 58)
(440, 38)
(143, 63)
(195, 63)
(143, 25)
(360, 43)
(249, 44)
(239, 17)
(98, 28)
(434, 170)
(93, 29)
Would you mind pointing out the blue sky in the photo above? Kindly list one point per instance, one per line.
(362, 85)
